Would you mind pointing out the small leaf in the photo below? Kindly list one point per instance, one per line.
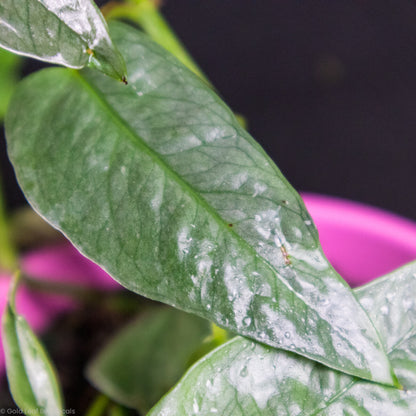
(68, 33)
(148, 357)
(159, 184)
(242, 378)
(32, 378)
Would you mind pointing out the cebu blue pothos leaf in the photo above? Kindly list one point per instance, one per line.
(391, 304)
(243, 378)
(158, 183)
(144, 360)
(65, 32)
(30, 373)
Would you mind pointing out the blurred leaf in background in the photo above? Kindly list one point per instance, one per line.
(145, 359)
(9, 75)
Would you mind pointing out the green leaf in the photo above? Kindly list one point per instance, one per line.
(148, 357)
(245, 378)
(9, 67)
(391, 304)
(69, 33)
(32, 378)
(159, 184)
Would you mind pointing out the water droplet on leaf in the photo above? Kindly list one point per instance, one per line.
(247, 321)
(244, 372)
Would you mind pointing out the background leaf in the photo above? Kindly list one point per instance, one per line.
(68, 33)
(148, 357)
(158, 183)
(31, 376)
(245, 378)
(9, 75)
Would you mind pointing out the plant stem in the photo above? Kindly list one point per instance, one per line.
(98, 406)
(219, 335)
(117, 410)
(8, 255)
(146, 14)
(13, 290)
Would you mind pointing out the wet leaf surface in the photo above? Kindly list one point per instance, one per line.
(158, 183)
(243, 378)
(68, 33)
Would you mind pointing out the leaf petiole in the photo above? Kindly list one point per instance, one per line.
(8, 255)
(13, 290)
(98, 406)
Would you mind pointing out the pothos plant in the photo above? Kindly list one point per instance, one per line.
(149, 174)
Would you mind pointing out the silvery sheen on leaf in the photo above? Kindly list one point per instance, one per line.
(32, 378)
(243, 378)
(158, 183)
(64, 32)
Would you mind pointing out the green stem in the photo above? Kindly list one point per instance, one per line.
(117, 410)
(8, 255)
(146, 14)
(219, 335)
(98, 406)
(13, 290)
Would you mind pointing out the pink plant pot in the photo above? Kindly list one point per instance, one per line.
(360, 241)
(62, 263)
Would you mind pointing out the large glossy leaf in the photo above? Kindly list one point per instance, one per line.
(159, 184)
(70, 33)
(32, 378)
(243, 378)
(148, 357)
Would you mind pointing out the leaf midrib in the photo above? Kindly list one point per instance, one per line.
(138, 141)
(135, 139)
(333, 399)
(355, 380)
(178, 179)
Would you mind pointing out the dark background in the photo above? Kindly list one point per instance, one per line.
(328, 88)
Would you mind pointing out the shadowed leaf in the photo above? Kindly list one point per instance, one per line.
(148, 357)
